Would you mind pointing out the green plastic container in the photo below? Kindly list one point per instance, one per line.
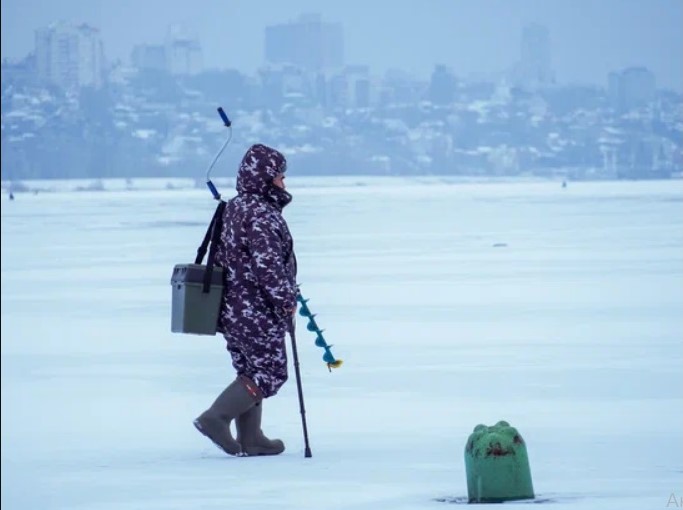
(497, 465)
(194, 311)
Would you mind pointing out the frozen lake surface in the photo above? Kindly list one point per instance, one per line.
(451, 304)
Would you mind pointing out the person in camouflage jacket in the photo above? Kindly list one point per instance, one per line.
(257, 254)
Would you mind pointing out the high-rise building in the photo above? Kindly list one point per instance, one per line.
(150, 57)
(350, 87)
(534, 68)
(630, 88)
(183, 52)
(308, 43)
(70, 55)
(442, 86)
(285, 83)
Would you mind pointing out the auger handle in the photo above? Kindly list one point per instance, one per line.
(228, 124)
(224, 116)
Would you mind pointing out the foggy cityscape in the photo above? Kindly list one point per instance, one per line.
(70, 111)
(452, 227)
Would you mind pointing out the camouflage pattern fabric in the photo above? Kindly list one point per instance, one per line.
(257, 252)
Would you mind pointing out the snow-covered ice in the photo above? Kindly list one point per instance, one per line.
(451, 304)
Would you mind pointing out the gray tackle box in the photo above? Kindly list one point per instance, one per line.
(194, 311)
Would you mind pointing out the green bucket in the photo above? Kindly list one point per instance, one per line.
(497, 465)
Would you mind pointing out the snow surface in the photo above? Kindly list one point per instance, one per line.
(558, 310)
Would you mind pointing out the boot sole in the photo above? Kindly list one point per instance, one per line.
(259, 454)
(206, 433)
(256, 451)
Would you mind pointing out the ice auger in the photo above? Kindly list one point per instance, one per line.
(312, 326)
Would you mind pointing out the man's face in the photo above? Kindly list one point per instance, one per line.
(279, 181)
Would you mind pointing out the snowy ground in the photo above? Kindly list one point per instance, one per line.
(572, 331)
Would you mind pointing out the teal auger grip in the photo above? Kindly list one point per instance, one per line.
(312, 326)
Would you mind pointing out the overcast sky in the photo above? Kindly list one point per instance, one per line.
(589, 37)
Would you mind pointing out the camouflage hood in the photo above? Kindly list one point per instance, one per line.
(259, 166)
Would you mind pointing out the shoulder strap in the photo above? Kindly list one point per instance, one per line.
(201, 251)
(213, 234)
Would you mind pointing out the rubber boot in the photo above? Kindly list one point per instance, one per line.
(250, 435)
(235, 400)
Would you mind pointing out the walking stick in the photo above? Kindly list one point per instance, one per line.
(307, 450)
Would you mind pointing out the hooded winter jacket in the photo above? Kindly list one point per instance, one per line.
(257, 254)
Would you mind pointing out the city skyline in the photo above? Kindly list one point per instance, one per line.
(400, 42)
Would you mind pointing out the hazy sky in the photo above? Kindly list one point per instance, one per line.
(589, 37)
